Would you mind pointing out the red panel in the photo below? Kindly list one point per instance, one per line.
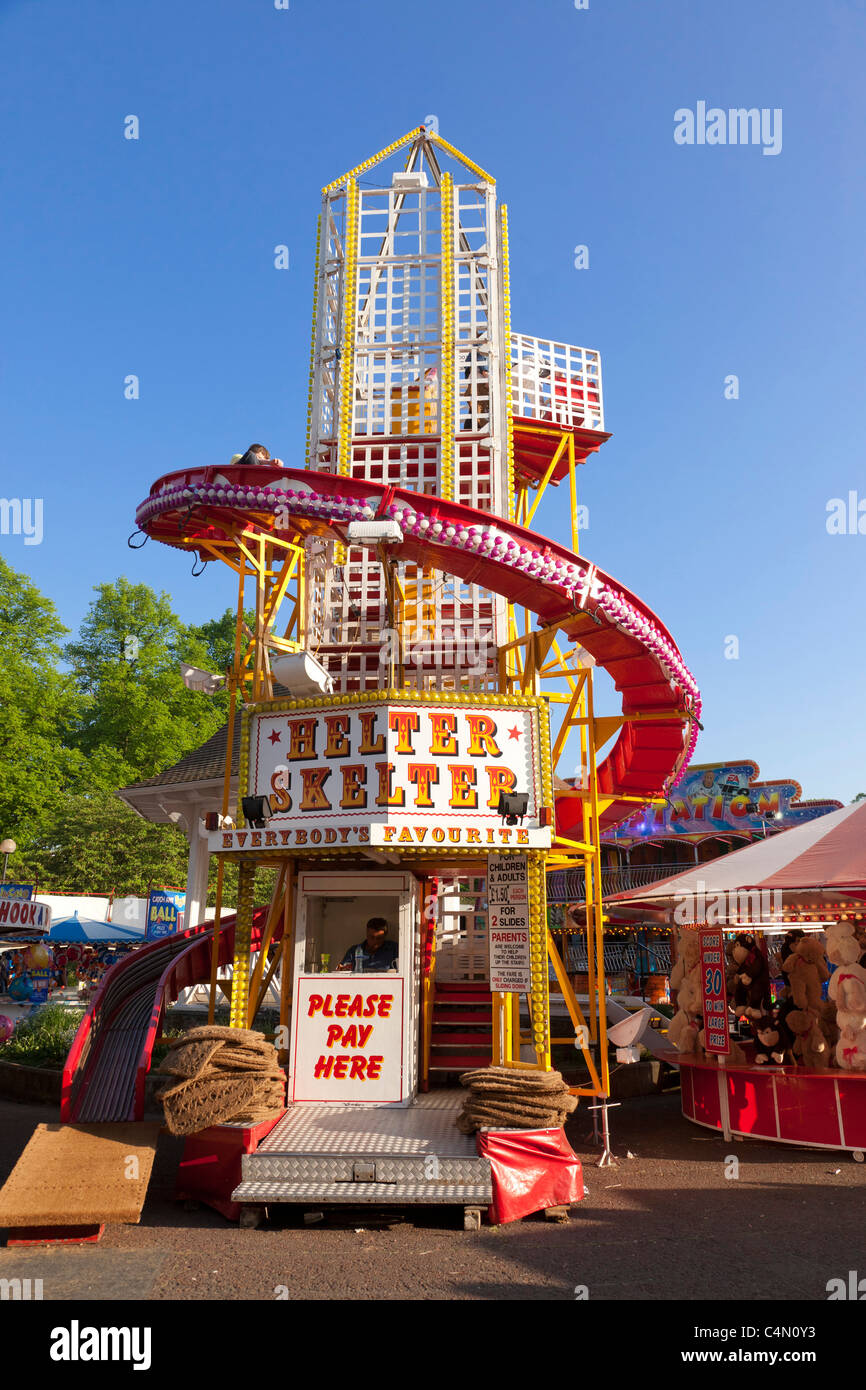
(56, 1235)
(807, 1108)
(210, 1169)
(852, 1098)
(706, 1109)
(750, 1102)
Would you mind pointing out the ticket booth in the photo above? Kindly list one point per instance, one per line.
(354, 1036)
(362, 801)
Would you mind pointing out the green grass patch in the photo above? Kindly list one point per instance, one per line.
(44, 1039)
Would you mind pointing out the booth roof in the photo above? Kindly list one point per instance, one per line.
(824, 855)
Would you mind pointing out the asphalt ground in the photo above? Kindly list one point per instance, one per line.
(672, 1219)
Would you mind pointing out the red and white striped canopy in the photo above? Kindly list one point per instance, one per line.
(826, 857)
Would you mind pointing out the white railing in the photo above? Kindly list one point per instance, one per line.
(556, 382)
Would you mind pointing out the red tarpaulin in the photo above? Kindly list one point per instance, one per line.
(532, 1169)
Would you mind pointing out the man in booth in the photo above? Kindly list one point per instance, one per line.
(373, 954)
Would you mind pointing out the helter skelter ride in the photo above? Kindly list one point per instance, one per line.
(438, 651)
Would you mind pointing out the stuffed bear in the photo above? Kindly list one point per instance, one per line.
(686, 973)
(752, 982)
(686, 980)
(851, 1049)
(690, 1040)
(843, 948)
(806, 970)
(810, 1045)
(827, 1023)
(848, 992)
(773, 1038)
(734, 1057)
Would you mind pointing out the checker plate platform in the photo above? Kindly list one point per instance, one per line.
(343, 1153)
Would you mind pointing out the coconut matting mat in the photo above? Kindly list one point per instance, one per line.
(80, 1175)
(219, 1075)
(508, 1098)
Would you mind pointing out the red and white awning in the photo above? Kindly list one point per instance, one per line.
(823, 860)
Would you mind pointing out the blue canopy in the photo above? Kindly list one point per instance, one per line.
(85, 929)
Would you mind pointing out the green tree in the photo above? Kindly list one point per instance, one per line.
(126, 669)
(98, 843)
(37, 707)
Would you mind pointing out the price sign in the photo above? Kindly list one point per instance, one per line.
(713, 992)
(508, 923)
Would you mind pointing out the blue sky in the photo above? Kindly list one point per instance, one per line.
(155, 257)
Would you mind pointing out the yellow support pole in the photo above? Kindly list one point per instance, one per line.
(598, 904)
(286, 962)
(542, 486)
(313, 342)
(347, 358)
(447, 384)
(539, 997)
(243, 939)
(506, 348)
(375, 159)
(273, 914)
(572, 487)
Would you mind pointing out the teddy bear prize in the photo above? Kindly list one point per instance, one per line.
(803, 1027)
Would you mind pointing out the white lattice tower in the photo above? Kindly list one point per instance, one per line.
(409, 386)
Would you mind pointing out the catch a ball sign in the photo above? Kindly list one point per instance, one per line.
(348, 1038)
(715, 999)
(165, 908)
(407, 772)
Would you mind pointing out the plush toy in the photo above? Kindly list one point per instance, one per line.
(848, 992)
(686, 980)
(734, 1057)
(752, 982)
(690, 1040)
(773, 1038)
(851, 1049)
(810, 1044)
(843, 948)
(679, 1021)
(806, 970)
(827, 1023)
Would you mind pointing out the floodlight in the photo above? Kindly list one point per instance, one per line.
(301, 674)
(374, 532)
(512, 806)
(257, 811)
(629, 1030)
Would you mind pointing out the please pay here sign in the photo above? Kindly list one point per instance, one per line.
(348, 1038)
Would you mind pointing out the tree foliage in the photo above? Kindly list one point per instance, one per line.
(81, 720)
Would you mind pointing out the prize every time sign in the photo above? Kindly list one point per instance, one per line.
(403, 774)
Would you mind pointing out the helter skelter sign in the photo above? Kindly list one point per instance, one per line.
(395, 770)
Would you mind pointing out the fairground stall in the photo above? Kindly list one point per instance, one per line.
(770, 943)
(414, 689)
(715, 808)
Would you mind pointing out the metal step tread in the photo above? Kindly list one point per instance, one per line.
(457, 1039)
(427, 1127)
(448, 1020)
(358, 1193)
(461, 1061)
(312, 1167)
